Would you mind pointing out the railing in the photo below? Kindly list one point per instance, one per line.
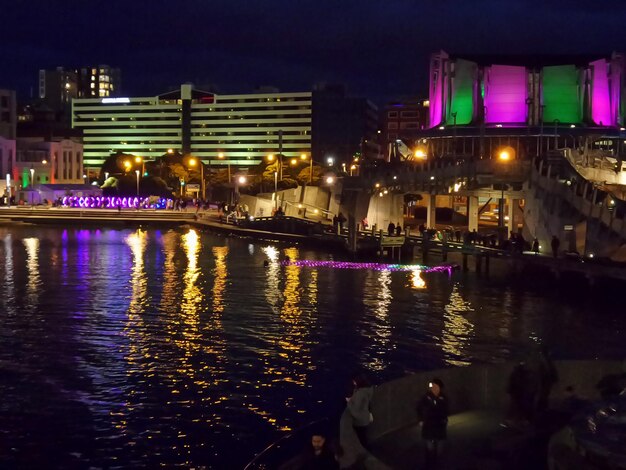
(289, 446)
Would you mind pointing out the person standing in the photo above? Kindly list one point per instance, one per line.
(536, 246)
(555, 243)
(433, 409)
(391, 228)
(359, 406)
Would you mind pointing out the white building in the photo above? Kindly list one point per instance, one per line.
(40, 161)
(219, 129)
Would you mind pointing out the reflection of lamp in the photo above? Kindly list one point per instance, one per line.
(137, 172)
(9, 189)
(32, 176)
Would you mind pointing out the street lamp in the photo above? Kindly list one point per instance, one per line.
(330, 161)
(193, 162)
(137, 173)
(330, 180)
(127, 165)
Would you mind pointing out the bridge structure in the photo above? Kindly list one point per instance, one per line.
(570, 184)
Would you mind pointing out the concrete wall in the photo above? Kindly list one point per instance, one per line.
(475, 387)
(384, 209)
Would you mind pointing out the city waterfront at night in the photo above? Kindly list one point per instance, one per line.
(164, 347)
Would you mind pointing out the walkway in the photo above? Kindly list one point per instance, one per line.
(475, 441)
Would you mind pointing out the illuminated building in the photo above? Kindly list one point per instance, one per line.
(518, 91)
(243, 128)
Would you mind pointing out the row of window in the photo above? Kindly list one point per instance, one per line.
(403, 125)
(404, 114)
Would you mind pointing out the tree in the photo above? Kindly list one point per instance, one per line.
(303, 176)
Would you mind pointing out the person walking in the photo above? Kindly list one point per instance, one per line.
(433, 409)
(359, 404)
(391, 228)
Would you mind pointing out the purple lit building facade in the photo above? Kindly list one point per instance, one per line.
(509, 92)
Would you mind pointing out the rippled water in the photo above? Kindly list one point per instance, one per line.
(140, 348)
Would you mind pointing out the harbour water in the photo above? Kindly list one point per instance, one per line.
(140, 348)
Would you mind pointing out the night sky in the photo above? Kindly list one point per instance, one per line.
(378, 49)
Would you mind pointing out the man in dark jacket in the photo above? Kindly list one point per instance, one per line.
(433, 409)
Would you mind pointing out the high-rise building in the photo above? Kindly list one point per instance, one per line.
(343, 126)
(98, 81)
(241, 128)
(8, 115)
(58, 87)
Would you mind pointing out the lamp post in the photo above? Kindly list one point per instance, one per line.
(137, 173)
(193, 162)
(275, 190)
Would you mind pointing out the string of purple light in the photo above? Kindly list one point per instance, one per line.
(371, 266)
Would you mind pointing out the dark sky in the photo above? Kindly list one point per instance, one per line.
(378, 49)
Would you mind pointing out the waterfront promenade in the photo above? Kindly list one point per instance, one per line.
(588, 269)
(479, 404)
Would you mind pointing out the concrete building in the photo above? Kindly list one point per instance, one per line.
(402, 119)
(41, 161)
(242, 129)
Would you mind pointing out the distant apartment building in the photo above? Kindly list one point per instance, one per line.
(58, 87)
(237, 129)
(8, 115)
(242, 128)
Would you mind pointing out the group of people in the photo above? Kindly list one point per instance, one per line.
(394, 229)
(529, 388)
(338, 222)
(432, 409)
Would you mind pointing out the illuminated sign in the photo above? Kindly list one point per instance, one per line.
(115, 100)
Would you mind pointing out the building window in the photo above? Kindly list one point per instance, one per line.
(392, 125)
(392, 114)
(409, 114)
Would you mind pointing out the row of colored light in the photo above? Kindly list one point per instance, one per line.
(371, 266)
(112, 202)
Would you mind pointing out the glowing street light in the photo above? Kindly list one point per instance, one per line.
(330, 180)
(303, 156)
(170, 151)
(127, 164)
(294, 161)
(242, 180)
(193, 162)
(419, 153)
(270, 157)
(504, 155)
(330, 161)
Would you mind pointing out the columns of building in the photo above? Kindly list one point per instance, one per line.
(431, 206)
(510, 223)
(472, 213)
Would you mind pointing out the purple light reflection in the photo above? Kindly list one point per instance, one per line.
(445, 268)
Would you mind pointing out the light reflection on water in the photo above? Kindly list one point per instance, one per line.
(177, 348)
